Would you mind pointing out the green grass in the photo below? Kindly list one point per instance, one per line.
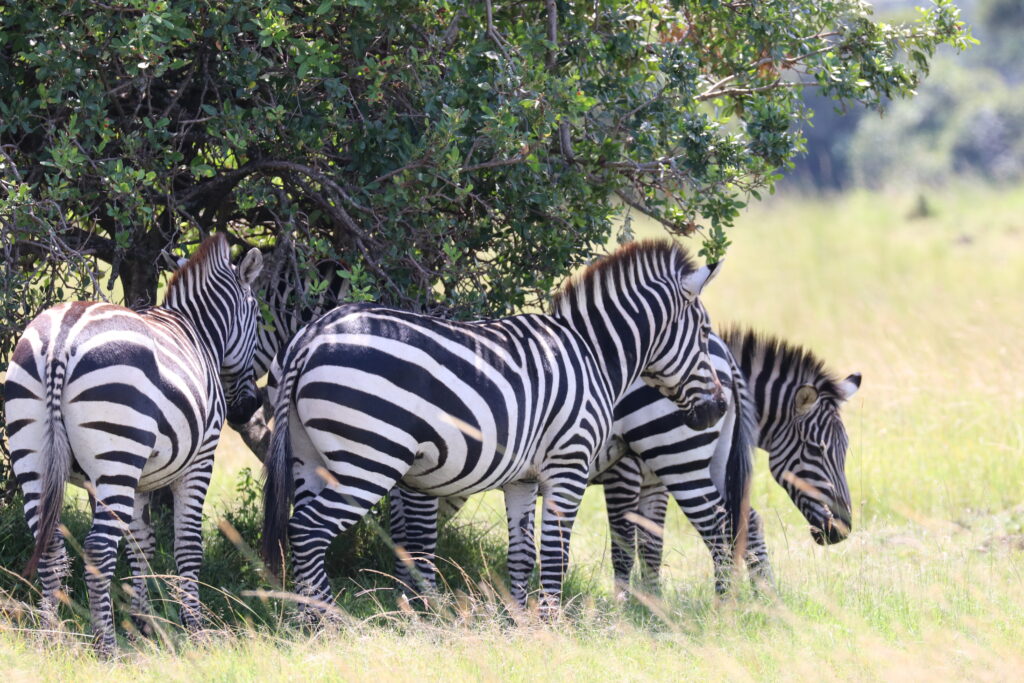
(930, 585)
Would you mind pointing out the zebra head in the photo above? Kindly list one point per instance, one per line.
(680, 366)
(217, 296)
(237, 372)
(808, 456)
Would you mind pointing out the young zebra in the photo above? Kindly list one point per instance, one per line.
(123, 402)
(796, 402)
(370, 396)
(706, 470)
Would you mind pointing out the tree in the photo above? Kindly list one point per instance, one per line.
(456, 158)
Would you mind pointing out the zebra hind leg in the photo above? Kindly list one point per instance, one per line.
(141, 545)
(651, 535)
(189, 496)
(54, 567)
(111, 519)
(622, 498)
(313, 525)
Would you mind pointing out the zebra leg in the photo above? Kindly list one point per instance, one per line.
(562, 495)
(141, 544)
(622, 497)
(54, 567)
(416, 559)
(651, 534)
(758, 565)
(520, 506)
(189, 495)
(115, 501)
(400, 538)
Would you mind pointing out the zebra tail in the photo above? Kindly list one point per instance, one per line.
(739, 469)
(56, 459)
(279, 487)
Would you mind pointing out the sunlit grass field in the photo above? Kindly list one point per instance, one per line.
(931, 583)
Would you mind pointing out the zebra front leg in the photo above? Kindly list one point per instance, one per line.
(562, 498)
(520, 507)
(622, 498)
(758, 565)
(189, 495)
(141, 544)
(651, 534)
(417, 519)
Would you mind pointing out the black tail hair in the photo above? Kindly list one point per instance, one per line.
(279, 487)
(56, 457)
(740, 465)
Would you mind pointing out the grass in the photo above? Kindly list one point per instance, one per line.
(930, 585)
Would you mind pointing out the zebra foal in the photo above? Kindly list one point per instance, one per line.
(370, 396)
(123, 402)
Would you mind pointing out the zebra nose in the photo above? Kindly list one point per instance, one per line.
(706, 412)
(241, 411)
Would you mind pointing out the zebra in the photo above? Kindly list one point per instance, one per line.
(123, 402)
(370, 396)
(707, 471)
(796, 402)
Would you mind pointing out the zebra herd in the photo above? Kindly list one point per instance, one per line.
(622, 384)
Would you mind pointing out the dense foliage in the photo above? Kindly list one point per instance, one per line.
(457, 158)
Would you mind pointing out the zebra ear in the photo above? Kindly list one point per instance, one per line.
(250, 267)
(805, 398)
(695, 282)
(849, 386)
(172, 263)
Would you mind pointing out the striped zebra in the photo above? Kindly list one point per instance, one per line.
(123, 402)
(707, 471)
(796, 402)
(370, 396)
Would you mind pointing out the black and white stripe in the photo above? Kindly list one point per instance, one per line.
(123, 402)
(370, 396)
(796, 403)
(706, 470)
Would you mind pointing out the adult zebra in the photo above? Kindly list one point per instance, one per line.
(123, 402)
(707, 471)
(783, 399)
(370, 396)
(796, 402)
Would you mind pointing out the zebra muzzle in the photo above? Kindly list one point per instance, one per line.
(706, 412)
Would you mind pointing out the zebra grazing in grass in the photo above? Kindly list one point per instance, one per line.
(707, 471)
(370, 396)
(123, 402)
(796, 402)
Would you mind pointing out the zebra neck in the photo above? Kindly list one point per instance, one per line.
(206, 322)
(620, 344)
(764, 389)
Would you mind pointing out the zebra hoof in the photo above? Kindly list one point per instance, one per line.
(142, 628)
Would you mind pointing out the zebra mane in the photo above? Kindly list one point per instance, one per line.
(662, 250)
(214, 248)
(796, 361)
